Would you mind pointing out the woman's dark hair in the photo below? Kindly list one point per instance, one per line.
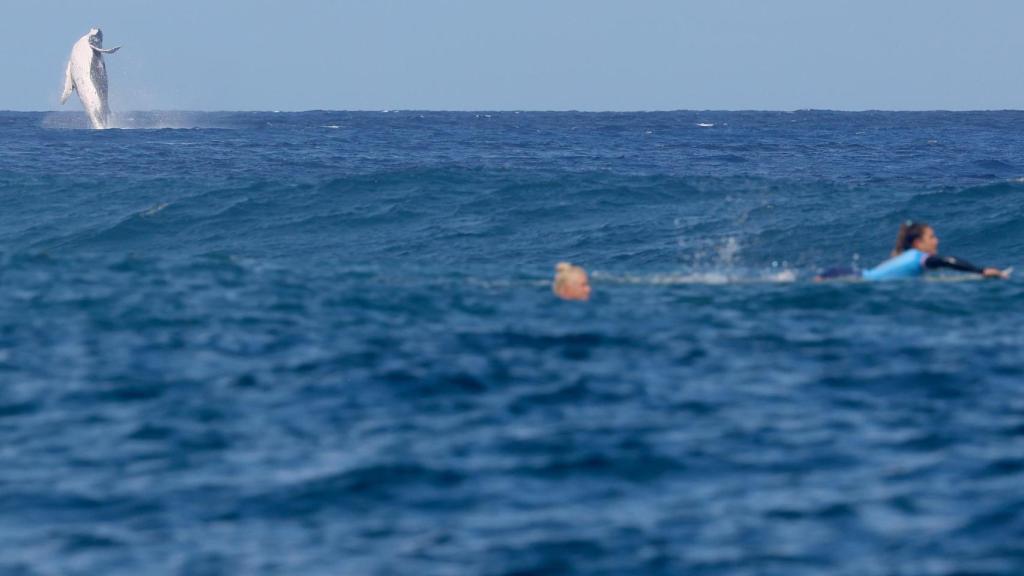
(909, 232)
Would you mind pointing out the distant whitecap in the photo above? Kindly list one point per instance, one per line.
(154, 210)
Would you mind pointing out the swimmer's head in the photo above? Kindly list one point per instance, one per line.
(571, 282)
(916, 235)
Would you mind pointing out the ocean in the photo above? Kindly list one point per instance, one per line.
(326, 343)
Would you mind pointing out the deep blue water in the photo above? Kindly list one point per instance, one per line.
(325, 343)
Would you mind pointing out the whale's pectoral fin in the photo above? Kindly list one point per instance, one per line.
(106, 50)
(69, 84)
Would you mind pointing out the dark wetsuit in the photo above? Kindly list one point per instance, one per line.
(936, 261)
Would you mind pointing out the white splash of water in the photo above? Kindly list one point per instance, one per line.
(710, 277)
(728, 250)
(155, 120)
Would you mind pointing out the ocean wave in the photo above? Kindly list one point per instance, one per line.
(608, 219)
(282, 347)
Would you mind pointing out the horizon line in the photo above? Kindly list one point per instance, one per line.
(527, 111)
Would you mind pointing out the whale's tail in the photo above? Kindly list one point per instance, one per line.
(69, 84)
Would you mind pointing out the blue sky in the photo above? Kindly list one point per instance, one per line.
(526, 54)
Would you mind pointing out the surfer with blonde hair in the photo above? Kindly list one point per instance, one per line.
(571, 282)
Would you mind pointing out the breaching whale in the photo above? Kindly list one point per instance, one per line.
(87, 74)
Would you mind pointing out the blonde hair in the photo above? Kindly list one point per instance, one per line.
(563, 270)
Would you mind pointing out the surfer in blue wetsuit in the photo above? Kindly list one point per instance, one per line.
(914, 254)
